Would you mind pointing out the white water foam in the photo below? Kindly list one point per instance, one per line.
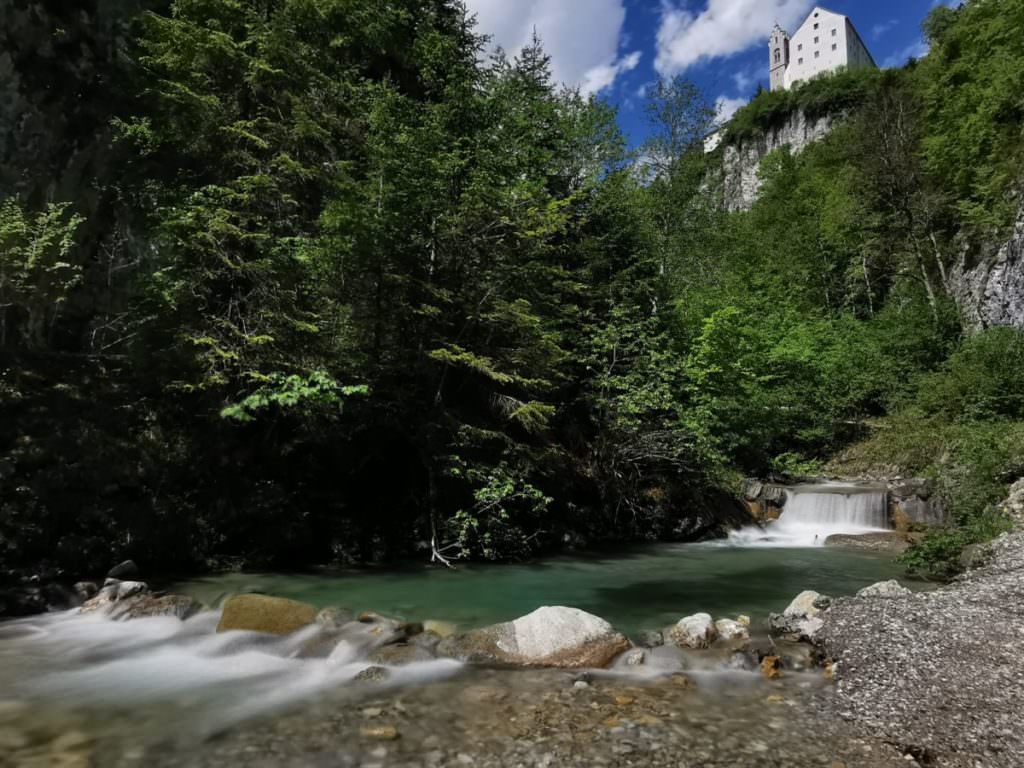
(812, 513)
(211, 680)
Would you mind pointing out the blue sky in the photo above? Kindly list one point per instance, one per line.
(617, 48)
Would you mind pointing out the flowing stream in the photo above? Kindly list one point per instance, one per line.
(125, 686)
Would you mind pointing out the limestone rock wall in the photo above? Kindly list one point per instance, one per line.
(989, 287)
(740, 184)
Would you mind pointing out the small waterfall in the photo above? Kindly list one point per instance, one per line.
(812, 513)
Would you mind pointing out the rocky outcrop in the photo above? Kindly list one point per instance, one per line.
(740, 180)
(548, 637)
(261, 613)
(988, 283)
(913, 503)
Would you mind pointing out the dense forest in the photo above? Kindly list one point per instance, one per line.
(286, 282)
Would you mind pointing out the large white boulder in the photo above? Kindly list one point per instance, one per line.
(697, 631)
(552, 636)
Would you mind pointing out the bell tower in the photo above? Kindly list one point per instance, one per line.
(778, 53)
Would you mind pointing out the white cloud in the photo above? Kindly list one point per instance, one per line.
(725, 108)
(880, 29)
(916, 50)
(583, 37)
(724, 28)
(602, 76)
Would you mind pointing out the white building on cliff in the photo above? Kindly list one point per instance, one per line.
(824, 43)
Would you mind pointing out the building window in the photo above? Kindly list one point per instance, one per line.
(799, 61)
(778, 55)
(835, 47)
(835, 32)
(800, 46)
(817, 40)
(817, 54)
(816, 25)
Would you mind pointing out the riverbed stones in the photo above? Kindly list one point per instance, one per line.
(262, 613)
(882, 541)
(732, 630)
(113, 591)
(149, 606)
(334, 618)
(801, 620)
(697, 631)
(551, 636)
(400, 654)
(885, 590)
(650, 638)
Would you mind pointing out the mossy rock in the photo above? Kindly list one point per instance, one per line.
(260, 613)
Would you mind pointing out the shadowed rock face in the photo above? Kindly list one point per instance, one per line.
(548, 637)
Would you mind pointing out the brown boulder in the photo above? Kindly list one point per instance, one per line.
(260, 613)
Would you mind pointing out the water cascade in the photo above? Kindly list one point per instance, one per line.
(812, 513)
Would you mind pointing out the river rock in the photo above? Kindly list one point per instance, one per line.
(125, 571)
(148, 606)
(441, 628)
(975, 556)
(732, 630)
(885, 589)
(86, 590)
(697, 631)
(801, 619)
(804, 604)
(650, 638)
(261, 613)
(549, 637)
(400, 654)
(113, 592)
(334, 617)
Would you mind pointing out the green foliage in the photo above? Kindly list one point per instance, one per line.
(831, 94)
(284, 393)
(38, 270)
(341, 287)
(972, 83)
(981, 380)
(937, 555)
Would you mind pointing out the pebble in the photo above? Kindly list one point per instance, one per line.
(381, 732)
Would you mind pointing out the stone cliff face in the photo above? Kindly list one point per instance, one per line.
(989, 287)
(740, 163)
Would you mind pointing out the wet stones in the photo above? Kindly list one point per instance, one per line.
(148, 606)
(801, 619)
(697, 631)
(261, 613)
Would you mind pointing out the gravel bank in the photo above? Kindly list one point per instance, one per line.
(506, 719)
(939, 674)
